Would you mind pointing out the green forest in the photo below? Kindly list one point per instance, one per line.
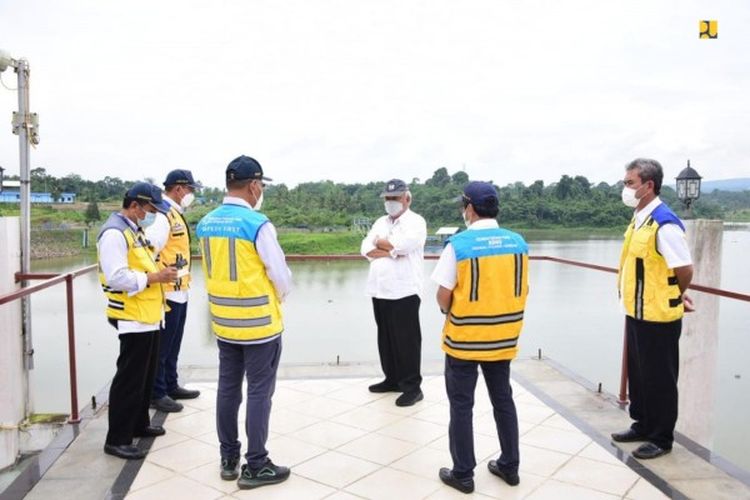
(572, 201)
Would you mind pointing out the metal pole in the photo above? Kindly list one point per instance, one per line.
(22, 70)
(623, 398)
(74, 418)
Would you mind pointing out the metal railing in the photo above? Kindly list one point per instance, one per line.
(55, 279)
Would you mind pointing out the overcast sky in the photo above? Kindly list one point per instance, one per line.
(355, 91)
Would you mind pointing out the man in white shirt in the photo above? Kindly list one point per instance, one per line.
(395, 248)
(132, 283)
(655, 271)
(170, 237)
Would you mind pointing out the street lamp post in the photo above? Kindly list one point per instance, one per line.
(26, 126)
(688, 187)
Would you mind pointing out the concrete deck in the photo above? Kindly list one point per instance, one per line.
(343, 442)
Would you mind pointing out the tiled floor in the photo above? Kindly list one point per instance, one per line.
(343, 442)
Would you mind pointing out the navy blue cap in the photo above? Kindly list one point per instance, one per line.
(394, 187)
(243, 167)
(481, 194)
(183, 177)
(148, 193)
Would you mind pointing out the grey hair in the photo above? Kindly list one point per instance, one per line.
(648, 170)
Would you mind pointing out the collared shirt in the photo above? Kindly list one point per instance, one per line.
(445, 273)
(270, 252)
(670, 242)
(158, 234)
(670, 238)
(401, 274)
(113, 259)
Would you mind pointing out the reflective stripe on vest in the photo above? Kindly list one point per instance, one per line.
(178, 242)
(649, 289)
(489, 298)
(146, 306)
(242, 299)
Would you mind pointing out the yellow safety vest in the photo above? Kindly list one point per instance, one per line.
(242, 299)
(147, 305)
(487, 308)
(177, 243)
(648, 288)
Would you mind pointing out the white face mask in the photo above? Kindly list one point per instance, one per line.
(259, 202)
(187, 200)
(148, 220)
(629, 198)
(393, 208)
(466, 221)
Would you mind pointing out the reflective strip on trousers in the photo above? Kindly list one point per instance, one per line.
(240, 322)
(481, 346)
(237, 301)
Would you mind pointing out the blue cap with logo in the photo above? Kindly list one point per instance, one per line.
(394, 187)
(181, 177)
(243, 167)
(148, 193)
(481, 194)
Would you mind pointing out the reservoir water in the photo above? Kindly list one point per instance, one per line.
(572, 316)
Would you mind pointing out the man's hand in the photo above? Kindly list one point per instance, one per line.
(383, 244)
(378, 254)
(166, 275)
(687, 302)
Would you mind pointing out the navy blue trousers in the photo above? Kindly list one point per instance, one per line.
(653, 368)
(169, 349)
(460, 383)
(258, 363)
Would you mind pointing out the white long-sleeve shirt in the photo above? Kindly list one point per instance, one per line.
(270, 252)
(113, 259)
(158, 234)
(401, 274)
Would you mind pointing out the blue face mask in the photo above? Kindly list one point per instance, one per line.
(148, 220)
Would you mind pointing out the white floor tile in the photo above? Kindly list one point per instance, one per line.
(195, 424)
(643, 490)
(208, 475)
(322, 407)
(367, 418)
(425, 462)
(335, 469)
(176, 487)
(613, 479)
(328, 434)
(556, 440)
(556, 490)
(285, 450)
(488, 484)
(150, 474)
(390, 484)
(414, 430)
(184, 456)
(377, 448)
(285, 421)
(541, 461)
(596, 452)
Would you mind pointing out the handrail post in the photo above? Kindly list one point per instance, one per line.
(74, 417)
(623, 398)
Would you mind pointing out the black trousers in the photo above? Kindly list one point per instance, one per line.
(130, 392)
(460, 384)
(399, 341)
(653, 367)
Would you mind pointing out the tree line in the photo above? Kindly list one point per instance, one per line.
(573, 201)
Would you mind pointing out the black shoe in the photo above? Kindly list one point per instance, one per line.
(409, 398)
(230, 468)
(268, 474)
(509, 477)
(151, 431)
(183, 393)
(628, 436)
(166, 404)
(126, 451)
(647, 451)
(462, 485)
(383, 386)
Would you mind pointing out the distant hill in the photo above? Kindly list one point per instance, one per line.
(741, 184)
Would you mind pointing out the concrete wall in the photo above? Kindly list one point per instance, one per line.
(700, 335)
(12, 374)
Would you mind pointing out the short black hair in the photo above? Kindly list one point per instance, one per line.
(233, 184)
(488, 211)
(127, 201)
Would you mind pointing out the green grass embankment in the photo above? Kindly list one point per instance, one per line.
(320, 243)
